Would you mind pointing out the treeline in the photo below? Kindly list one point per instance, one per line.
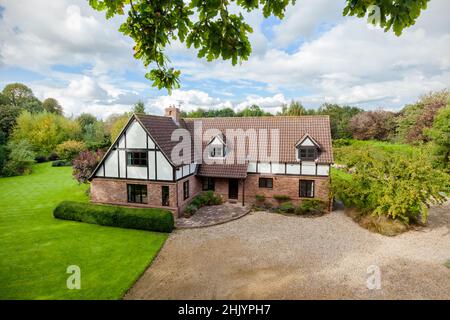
(37, 131)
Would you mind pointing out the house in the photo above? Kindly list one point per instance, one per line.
(164, 161)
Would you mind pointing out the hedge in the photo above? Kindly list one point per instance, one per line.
(160, 220)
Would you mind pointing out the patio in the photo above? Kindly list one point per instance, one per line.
(212, 215)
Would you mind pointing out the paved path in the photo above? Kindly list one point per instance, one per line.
(271, 256)
(212, 215)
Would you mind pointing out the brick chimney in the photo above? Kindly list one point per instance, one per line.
(174, 113)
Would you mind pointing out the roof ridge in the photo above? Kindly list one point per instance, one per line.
(262, 117)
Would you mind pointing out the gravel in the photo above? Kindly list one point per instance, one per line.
(271, 256)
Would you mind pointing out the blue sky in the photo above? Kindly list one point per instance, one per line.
(66, 50)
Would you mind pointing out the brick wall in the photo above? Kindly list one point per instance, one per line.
(285, 185)
(114, 191)
(195, 187)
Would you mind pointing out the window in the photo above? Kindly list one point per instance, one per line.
(208, 184)
(306, 189)
(266, 183)
(307, 153)
(216, 151)
(137, 193)
(165, 195)
(186, 189)
(137, 159)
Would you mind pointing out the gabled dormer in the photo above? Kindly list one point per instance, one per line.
(217, 147)
(307, 148)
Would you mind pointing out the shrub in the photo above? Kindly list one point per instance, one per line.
(260, 198)
(378, 125)
(69, 149)
(207, 198)
(311, 206)
(341, 142)
(281, 198)
(85, 163)
(190, 210)
(397, 186)
(40, 159)
(286, 207)
(379, 224)
(53, 156)
(21, 158)
(61, 163)
(160, 220)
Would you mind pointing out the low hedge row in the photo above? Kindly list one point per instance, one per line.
(160, 220)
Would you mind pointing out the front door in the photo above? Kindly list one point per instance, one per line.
(233, 187)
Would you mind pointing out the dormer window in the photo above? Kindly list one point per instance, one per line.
(307, 153)
(216, 151)
(216, 147)
(307, 148)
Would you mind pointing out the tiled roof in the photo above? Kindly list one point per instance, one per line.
(291, 130)
(160, 128)
(223, 170)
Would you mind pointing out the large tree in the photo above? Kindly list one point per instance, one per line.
(339, 119)
(22, 97)
(216, 31)
(52, 105)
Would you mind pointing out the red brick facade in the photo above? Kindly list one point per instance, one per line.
(114, 191)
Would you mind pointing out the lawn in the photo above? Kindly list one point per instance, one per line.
(36, 249)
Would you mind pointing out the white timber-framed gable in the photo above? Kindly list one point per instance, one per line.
(120, 160)
(135, 155)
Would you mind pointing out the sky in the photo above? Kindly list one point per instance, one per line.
(66, 50)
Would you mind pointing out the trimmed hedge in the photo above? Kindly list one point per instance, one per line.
(160, 220)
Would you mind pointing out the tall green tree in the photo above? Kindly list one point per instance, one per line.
(295, 109)
(339, 119)
(22, 97)
(44, 131)
(139, 107)
(218, 31)
(52, 105)
(439, 134)
(253, 111)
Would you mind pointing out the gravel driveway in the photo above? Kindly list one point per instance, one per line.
(271, 256)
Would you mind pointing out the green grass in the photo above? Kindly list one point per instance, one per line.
(340, 174)
(36, 249)
(447, 264)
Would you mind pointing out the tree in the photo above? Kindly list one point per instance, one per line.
(115, 123)
(20, 159)
(397, 15)
(85, 120)
(8, 116)
(417, 118)
(216, 30)
(339, 119)
(69, 149)
(139, 107)
(399, 187)
(22, 97)
(378, 125)
(44, 131)
(52, 105)
(294, 109)
(440, 136)
(253, 111)
(85, 163)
